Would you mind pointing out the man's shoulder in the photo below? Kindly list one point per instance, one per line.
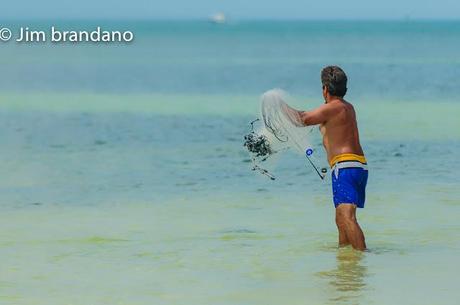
(339, 106)
(348, 104)
(345, 106)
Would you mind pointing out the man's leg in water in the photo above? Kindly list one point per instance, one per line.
(343, 239)
(349, 230)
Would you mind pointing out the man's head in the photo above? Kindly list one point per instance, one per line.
(334, 82)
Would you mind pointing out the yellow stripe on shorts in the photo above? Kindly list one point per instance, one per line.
(347, 157)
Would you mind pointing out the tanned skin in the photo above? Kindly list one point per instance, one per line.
(337, 120)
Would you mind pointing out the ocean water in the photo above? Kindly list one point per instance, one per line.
(124, 179)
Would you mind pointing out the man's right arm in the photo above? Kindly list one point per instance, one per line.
(317, 116)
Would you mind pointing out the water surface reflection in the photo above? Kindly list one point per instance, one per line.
(348, 280)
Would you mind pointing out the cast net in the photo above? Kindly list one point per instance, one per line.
(279, 128)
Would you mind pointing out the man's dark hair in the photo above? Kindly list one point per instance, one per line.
(335, 80)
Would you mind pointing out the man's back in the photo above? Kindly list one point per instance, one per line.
(340, 131)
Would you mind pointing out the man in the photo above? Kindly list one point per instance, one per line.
(337, 119)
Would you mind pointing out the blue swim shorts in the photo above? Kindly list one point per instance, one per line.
(349, 179)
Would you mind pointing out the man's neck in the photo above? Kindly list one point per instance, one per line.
(333, 98)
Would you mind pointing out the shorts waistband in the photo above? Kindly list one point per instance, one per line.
(349, 164)
(347, 157)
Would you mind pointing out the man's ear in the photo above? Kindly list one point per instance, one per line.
(325, 92)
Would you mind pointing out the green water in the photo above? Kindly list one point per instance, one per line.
(124, 180)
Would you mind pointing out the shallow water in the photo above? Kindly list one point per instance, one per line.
(141, 208)
(147, 197)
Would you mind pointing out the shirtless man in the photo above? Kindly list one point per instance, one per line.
(337, 119)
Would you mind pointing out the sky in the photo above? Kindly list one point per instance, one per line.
(235, 9)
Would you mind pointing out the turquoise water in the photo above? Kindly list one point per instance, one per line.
(124, 180)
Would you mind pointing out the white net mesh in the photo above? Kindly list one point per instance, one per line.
(281, 129)
(283, 123)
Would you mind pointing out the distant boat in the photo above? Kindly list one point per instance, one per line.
(218, 18)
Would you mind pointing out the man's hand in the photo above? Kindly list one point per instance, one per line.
(293, 114)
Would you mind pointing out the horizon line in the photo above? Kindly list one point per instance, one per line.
(232, 19)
